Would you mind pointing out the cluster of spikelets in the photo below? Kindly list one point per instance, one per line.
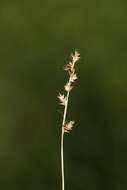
(63, 99)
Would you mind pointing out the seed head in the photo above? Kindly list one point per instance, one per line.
(73, 77)
(68, 126)
(68, 87)
(62, 99)
(75, 57)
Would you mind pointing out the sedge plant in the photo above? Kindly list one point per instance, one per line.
(63, 100)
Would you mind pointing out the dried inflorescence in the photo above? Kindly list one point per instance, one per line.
(63, 99)
(68, 126)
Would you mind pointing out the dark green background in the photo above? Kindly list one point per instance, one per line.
(36, 39)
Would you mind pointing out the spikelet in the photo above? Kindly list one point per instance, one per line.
(63, 99)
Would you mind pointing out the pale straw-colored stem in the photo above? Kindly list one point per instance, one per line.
(62, 158)
(64, 101)
(62, 141)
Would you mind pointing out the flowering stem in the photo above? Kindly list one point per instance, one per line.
(67, 127)
(62, 141)
(62, 158)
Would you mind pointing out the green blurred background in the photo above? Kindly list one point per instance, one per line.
(36, 39)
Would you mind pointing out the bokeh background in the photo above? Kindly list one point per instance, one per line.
(36, 39)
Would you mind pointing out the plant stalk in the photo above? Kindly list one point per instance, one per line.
(62, 143)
